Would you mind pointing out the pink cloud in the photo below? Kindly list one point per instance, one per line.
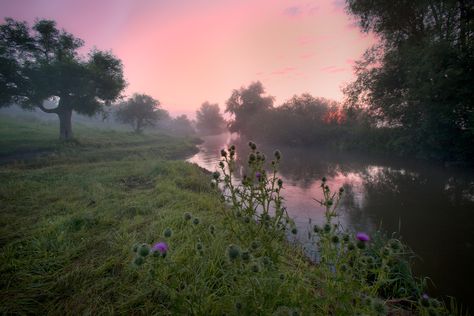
(284, 71)
(307, 55)
(332, 69)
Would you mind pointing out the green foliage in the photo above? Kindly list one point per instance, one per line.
(209, 120)
(418, 80)
(140, 111)
(42, 64)
(245, 103)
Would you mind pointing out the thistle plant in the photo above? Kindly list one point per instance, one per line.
(256, 194)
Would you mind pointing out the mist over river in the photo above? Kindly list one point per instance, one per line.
(430, 206)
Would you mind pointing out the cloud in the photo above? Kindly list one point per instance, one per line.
(298, 11)
(306, 55)
(293, 11)
(283, 71)
(332, 69)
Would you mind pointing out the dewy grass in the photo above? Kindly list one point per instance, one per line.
(110, 225)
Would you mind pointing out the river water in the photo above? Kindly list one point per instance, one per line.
(430, 206)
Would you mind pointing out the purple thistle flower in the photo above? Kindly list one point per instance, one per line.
(362, 237)
(425, 296)
(162, 247)
(258, 175)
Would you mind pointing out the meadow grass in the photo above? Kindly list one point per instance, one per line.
(70, 221)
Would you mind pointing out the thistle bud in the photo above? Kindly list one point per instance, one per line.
(168, 232)
(335, 239)
(277, 155)
(294, 230)
(280, 183)
(138, 261)
(144, 250)
(223, 153)
(233, 252)
(196, 221)
(216, 175)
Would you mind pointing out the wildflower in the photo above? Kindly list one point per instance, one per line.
(160, 247)
(316, 229)
(144, 250)
(167, 233)
(258, 175)
(233, 252)
(362, 237)
(223, 153)
(327, 228)
(196, 221)
(187, 216)
(280, 183)
(252, 145)
(277, 154)
(138, 261)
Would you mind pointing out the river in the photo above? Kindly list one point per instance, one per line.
(430, 206)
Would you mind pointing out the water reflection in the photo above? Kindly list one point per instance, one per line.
(432, 208)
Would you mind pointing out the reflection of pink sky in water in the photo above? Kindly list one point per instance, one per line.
(299, 199)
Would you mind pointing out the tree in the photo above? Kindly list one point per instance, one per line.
(42, 64)
(419, 79)
(140, 111)
(182, 126)
(245, 103)
(209, 120)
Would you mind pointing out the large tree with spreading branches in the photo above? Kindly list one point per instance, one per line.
(41, 66)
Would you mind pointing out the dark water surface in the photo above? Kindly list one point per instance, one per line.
(430, 206)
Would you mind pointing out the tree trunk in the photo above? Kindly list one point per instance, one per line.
(65, 126)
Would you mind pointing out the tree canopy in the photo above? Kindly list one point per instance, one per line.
(42, 63)
(245, 103)
(140, 111)
(209, 120)
(419, 78)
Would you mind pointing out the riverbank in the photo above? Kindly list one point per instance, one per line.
(71, 217)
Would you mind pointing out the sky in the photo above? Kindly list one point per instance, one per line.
(185, 52)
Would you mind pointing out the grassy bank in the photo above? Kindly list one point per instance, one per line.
(71, 218)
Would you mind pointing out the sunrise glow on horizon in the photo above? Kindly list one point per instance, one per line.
(186, 52)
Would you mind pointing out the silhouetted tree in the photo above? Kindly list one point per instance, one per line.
(419, 79)
(209, 120)
(182, 126)
(42, 64)
(140, 111)
(245, 103)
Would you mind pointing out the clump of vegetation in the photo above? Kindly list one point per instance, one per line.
(354, 273)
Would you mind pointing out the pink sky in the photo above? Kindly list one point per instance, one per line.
(185, 52)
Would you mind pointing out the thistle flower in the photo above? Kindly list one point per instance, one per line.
(160, 247)
(362, 237)
(258, 175)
